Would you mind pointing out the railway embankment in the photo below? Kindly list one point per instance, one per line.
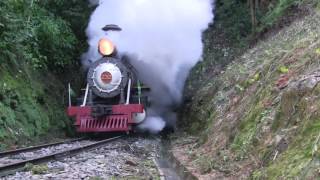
(40, 43)
(259, 116)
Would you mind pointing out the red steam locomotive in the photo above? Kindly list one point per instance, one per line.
(114, 99)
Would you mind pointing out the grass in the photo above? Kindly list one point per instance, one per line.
(246, 112)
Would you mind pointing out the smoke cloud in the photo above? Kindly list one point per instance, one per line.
(163, 39)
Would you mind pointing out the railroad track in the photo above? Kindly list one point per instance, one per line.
(17, 166)
(32, 148)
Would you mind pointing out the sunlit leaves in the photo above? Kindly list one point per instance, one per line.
(34, 34)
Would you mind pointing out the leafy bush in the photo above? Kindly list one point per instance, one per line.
(30, 32)
(234, 17)
(39, 42)
(273, 14)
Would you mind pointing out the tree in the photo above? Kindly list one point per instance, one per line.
(254, 6)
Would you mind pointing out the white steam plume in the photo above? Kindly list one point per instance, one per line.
(163, 38)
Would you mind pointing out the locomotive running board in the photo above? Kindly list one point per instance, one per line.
(119, 121)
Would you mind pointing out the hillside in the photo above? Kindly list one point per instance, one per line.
(40, 43)
(257, 117)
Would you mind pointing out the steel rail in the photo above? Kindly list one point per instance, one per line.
(17, 151)
(14, 167)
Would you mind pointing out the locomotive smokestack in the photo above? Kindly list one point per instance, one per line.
(163, 39)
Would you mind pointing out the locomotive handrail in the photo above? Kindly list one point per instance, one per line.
(128, 91)
(69, 94)
(85, 96)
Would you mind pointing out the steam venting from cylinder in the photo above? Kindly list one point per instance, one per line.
(164, 41)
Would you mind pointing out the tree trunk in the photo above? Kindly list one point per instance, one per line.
(254, 5)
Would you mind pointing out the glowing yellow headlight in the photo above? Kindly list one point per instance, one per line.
(106, 47)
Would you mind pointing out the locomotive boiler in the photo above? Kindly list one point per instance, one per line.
(114, 98)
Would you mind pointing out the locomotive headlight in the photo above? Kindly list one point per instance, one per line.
(106, 47)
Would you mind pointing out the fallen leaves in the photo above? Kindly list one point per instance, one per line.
(283, 69)
(283, 81)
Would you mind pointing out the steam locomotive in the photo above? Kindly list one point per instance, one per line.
(114, 98)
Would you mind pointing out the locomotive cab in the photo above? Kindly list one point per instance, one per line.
(114, 98)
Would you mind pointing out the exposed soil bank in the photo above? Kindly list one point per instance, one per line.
(259, 117)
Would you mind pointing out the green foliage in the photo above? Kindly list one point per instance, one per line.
(55, 36)
(39, 169)
(276, 11)
(36, 169)
(228, 14)
(228, 33)
(76, 12)
(38, 41)
(31, 33)
(24, 109)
